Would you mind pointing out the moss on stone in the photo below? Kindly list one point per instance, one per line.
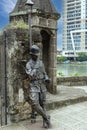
(18, 24)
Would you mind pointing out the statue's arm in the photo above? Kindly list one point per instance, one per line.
(47, 79)
(30, 71)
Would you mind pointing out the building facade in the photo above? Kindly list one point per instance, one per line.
(74, 27)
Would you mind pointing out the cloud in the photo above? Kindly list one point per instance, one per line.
(7, 6)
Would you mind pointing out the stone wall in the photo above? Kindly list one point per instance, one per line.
(17, 54)
(72, 81)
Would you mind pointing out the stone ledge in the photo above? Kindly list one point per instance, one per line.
(66, 96)
(62, 103)
(72, 81)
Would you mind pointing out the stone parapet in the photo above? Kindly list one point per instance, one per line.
(72, 81)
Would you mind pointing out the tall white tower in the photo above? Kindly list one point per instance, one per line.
(74, 27)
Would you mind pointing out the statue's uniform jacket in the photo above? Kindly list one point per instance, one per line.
(36, 70)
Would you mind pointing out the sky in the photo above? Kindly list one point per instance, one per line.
(6, 6)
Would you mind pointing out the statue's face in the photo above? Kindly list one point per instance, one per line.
(34, 57)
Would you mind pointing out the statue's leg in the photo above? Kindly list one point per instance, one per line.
(46, 124)
(34, 101)
(32, 97)
(46, 118)
(33, 116)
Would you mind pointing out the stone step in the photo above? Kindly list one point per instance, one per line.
(66, 96)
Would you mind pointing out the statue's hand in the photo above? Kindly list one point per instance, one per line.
(30, 77)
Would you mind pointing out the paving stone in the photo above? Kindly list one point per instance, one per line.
(74, 120)
(72, 117)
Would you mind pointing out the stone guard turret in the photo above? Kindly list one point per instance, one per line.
(44, 34)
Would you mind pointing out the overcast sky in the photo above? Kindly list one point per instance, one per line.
(6, 6)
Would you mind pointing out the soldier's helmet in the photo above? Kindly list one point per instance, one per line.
(35, 50)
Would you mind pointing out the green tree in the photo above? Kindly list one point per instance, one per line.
(82, 56)
(61, 59)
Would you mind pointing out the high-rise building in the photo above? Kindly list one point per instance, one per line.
(74, 27)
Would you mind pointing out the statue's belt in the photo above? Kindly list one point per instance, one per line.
(32, 80)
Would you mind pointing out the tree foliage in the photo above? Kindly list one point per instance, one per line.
(61, 59)
(82, 56)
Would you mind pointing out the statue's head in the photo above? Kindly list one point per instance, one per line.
(34, 52)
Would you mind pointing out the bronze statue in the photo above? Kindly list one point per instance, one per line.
(37, 90)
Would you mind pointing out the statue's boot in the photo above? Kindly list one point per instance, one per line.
(46, 122)
(33, 119)
(46, 119)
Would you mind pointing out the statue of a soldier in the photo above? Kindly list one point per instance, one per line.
(37, 90)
